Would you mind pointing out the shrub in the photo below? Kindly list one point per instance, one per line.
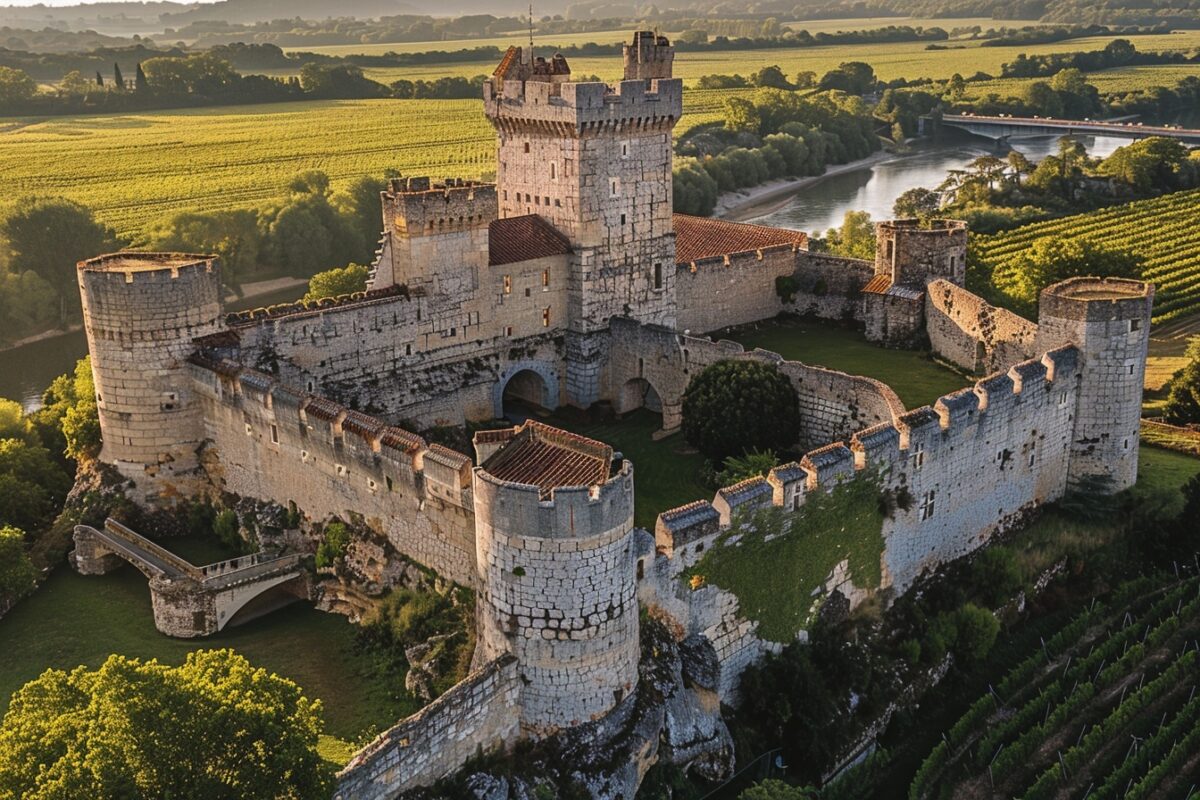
(17, 573)
(228, 529)
(732, 407)
(996, 574)
(334, 542)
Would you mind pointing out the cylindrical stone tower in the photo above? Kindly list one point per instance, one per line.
(141, 312)
(1108, 320)
(557, 582)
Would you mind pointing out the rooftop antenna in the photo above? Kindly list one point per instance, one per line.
(531, 31)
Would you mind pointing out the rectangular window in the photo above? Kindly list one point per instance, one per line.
(547, 199)
(274, 434)
(508, 331)
(614, 187)
(658, 275)
(927, 505)
(545, 278)
(1135, 325)
(796, 500)
(553, 171)
(1062, 399)
(537, 200)
(624, 149)
(389, 482)
(408, 349)
(546, 317)
(891, 249)
(508, 284)
(918, 456)
(527, 147)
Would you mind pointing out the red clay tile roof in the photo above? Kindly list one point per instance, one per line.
(547, 457)
(703, 237)
(523, 238)
(879, 284)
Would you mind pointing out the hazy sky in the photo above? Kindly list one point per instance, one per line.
(70, 2)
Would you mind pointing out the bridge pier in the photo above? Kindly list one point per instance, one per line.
(91, 557)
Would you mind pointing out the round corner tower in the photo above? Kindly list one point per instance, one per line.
(1108, 320)
(141, 312)
(557, 583)
(914, 253)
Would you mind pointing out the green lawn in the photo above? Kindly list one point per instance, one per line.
(666, 473)
(73, 620)
(1162, 470)
(915, 377)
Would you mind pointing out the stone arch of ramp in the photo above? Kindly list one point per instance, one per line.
(229, 602)
(546, 371)
(639, 393)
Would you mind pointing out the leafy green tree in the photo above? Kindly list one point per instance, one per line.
(772, 789)
(16, 87)
(771, 77)
(918, 202)
(336, 282)
(17, 573)
(67, 422)
(852, 77)
(1183, 392)
(13, 424)
(212, 727)
(73, 83)
(975, 631)
(996, 574)
(748, 465)
(1150, 164)
(49, 236)
(307, 234)
(1050, 260)
(855, 238)
(805, 79)
(334, 541)
(234, 235)
(734, 406)
(694, 190)
(228, 529)
(32, 483)
(742, 115)
(361, 206)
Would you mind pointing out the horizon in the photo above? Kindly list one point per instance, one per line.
(70, 3)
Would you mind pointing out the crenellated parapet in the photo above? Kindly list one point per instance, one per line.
(420, 207)
(581, 110)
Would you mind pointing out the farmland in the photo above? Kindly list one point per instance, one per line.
(1162, 230)
(891, 60)
(1106, 707)
(1109, 81)
(133, 169)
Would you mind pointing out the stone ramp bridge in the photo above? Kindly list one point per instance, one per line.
(190, 600)
(1002, 128)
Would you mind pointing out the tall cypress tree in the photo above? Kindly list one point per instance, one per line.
(139, 81)
(99, 78)
(118, 79)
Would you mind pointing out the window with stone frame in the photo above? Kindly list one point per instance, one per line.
(918, 456)
(658, 275)
(927, 505)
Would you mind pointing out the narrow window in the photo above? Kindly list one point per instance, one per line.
(624, 149)
(1135, 325)
(274, 434)
(388, 480)
(658, 275)
(927, 505)
(527, 147)
(918, 456)
(310, 386)
(614, 187)
(557, 203)
(553, 171)
(796, 500)
(408, 349)
(641, 568)
(508, 284)
(545, 278)
(891, 249)
(508, 331)
(546, 317)
(505, 194)
(537, 200)
(622, 219)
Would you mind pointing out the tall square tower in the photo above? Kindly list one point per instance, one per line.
(595, 161)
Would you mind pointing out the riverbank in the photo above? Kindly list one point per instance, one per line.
(769, 197)
(249, 292)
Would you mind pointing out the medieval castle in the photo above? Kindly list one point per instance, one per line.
(571, 282)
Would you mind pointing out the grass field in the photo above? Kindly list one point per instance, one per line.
(917, 379)
(1120, 80)
(73, 620)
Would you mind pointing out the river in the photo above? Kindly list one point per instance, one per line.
(26, 371)
(822, 205)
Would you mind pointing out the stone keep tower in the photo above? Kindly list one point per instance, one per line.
(595, 161)
(141, 312)
(1109, 321)
(913, 254)
(557, 583)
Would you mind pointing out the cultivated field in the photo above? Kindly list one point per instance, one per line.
(133, 169)
(1162, 230)
(895, 60)
(1120, 80)
(1106, 708)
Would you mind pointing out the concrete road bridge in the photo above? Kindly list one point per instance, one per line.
(1004, 128)
(190, 600)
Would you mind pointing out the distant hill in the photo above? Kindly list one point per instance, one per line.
(259, 10)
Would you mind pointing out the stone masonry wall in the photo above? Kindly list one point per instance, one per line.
(829, 286)
(478, 714)
(272, 443)
(717, 293)
(971, 333)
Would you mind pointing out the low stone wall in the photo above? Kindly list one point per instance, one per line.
(716, 293)
(829, 286)
(476, 715)
(971, 333)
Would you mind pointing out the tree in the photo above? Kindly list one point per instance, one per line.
(1150, 164)
(73, 83)
(1019, 164)
(732, 407)
(17, 573)
(805, 79)
(16, 87)
(957, 87)
(917, 202)
(118, 78)
(335, 282)
(855, 238)
(32, 484)
(1050, 260)
(67, 422)
(1183, 392)
(139, 79)
(771, 77)
(748, 465)
(233, 235)
(361, 206)
(212, 727)
(772, 789)
(50, 236)
(742, 115)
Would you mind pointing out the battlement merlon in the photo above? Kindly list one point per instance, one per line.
(649, 57)
(416, 206)
(583, 109)
(156, 266)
